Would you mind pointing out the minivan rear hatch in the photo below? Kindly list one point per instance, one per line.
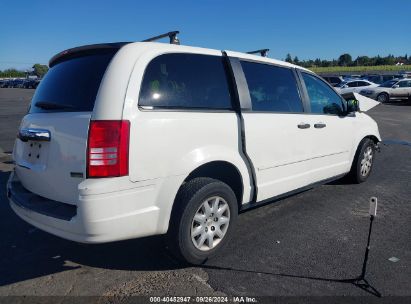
(50, 151)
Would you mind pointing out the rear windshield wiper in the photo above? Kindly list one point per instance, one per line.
(52, 105)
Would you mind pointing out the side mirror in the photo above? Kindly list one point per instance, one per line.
(395, 86)
(352, 106)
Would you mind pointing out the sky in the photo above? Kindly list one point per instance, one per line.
(33, 31)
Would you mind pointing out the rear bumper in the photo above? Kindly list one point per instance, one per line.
(97, 218)
(32, 202)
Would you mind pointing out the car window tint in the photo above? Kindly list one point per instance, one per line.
(352, 84)
(72, 85)
(405, 84)
(186, 81)
(363, 84)
(272, 88)
(323, 99)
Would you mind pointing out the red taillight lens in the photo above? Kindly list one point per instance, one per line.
(107, 150)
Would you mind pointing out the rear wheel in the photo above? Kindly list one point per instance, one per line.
(203, 219)
(363, 161)
(383, 97)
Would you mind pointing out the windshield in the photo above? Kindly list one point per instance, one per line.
(340, 85)
(71, 85)
(388, 84)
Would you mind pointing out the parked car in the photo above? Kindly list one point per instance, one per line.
(379, 79)
(30, 83)
(405, 74)
(333, 80)
(390, 90)
(128, 140)
(20, 83)
(353, 76)
(15, 83)
(351, 86)
(7, 83)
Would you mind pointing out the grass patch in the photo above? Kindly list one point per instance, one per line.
(362, 69)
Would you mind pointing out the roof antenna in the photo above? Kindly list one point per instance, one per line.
(262, 52)
(172, 35)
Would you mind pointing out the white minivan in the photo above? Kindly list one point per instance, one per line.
(126, 140)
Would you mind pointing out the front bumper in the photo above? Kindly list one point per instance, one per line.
(97, 218)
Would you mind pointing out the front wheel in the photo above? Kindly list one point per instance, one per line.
(363, 161)
(383, 97)
(203, 219)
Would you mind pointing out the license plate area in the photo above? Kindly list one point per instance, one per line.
(34, 155)
(36, 152)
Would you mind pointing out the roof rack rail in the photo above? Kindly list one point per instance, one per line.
(262, 52)
(172, 35)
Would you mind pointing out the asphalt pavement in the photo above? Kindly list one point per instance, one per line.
(310, 244)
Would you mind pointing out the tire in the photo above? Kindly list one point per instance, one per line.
(363, 161)
(383, 98)
(187, 239)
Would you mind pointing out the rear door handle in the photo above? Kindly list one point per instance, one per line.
(320, 125)
(33, 134)
(303, 125)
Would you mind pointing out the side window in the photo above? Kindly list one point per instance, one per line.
(405, 84)
(352, 84)
(185, 81)
(322, 98)
(363, 84)
(272, 88)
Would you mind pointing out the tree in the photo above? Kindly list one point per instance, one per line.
(345, 60)
(390, 60)
(325, 63)
(362, 60)
(288, 58)
(12, 73)
(379, 60)
(40, 69)
(296, 61)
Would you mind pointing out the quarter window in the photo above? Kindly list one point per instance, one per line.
(322, 98)
(186, 81)
(272, 88)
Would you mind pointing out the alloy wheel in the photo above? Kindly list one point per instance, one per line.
(382, 98)
(210, 223)
(366, 161)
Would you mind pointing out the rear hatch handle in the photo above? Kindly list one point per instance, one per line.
(26, 134)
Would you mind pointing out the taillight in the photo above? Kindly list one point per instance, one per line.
(107, 149)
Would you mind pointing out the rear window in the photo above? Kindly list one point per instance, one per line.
(186, 81)
(72, 85)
